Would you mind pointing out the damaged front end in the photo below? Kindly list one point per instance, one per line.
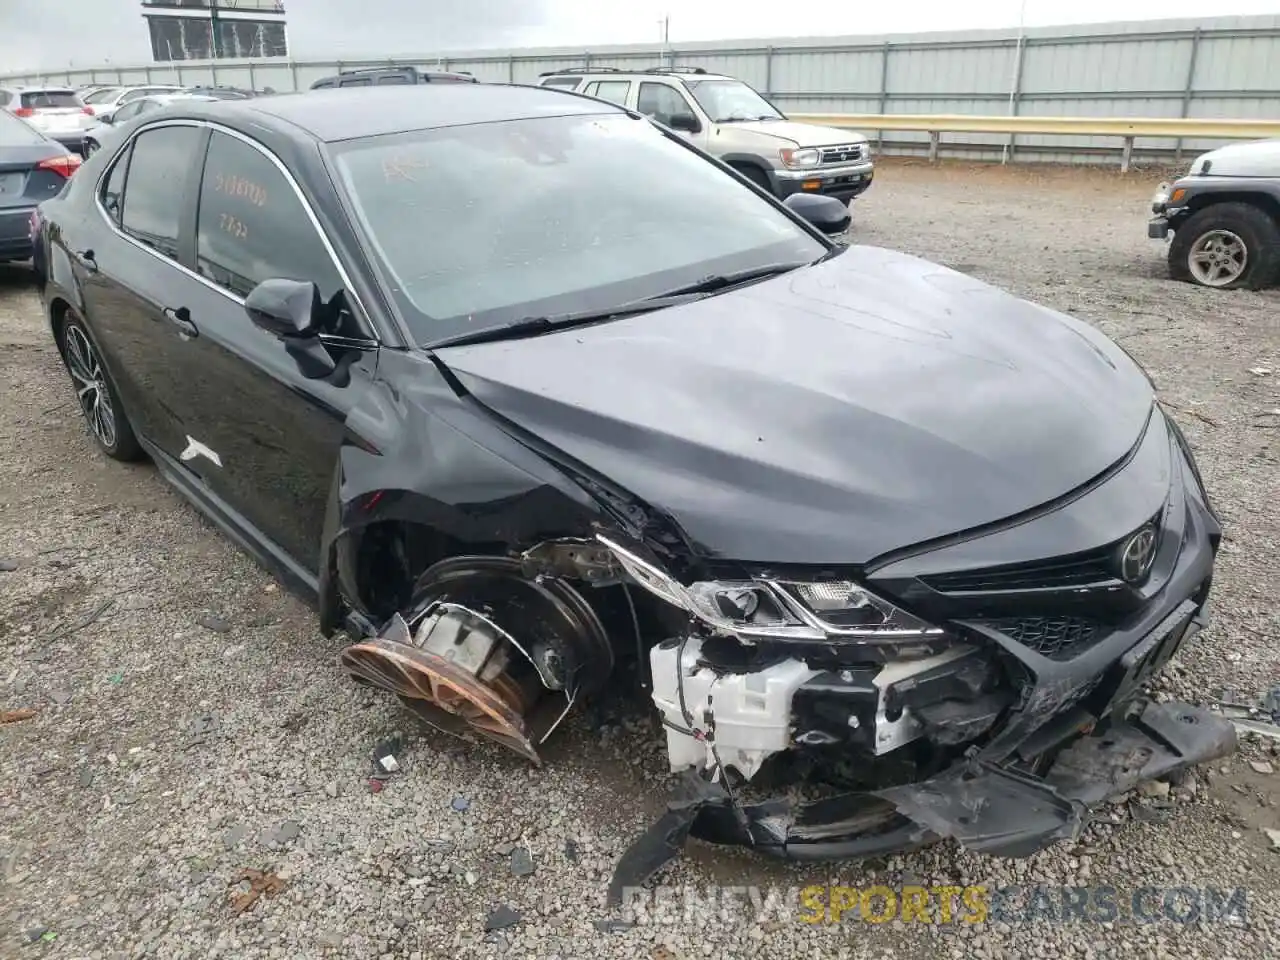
(962, 732)
(839, 713)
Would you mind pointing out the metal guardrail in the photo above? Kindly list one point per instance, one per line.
(1127, 128)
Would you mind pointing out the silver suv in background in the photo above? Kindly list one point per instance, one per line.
(57, 112)
(731, 121)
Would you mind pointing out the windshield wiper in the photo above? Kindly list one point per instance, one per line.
(530, 326)
(721, 281)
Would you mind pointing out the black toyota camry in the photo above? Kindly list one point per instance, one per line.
(537, 403)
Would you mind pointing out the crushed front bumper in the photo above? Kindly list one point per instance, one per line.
(989, 808)
(1082, 732)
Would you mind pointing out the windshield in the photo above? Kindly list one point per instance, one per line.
(729, 100)
(486, 223)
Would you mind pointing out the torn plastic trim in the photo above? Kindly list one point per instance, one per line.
(987, 808)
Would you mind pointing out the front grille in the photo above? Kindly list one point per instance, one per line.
(1058, 638)
(1078, 570)
(845, 153)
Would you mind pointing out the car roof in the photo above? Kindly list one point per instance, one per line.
(338, 114)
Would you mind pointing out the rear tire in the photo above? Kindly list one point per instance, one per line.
(99, 403)
(1225, 247)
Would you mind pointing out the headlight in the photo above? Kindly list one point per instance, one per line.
(804, 157)
(847, 609)
(782, 610)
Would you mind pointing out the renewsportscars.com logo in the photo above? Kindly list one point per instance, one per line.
(972, 904)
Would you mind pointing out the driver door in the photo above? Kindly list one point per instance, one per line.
(267, 437)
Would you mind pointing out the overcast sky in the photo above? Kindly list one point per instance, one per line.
(53, 33)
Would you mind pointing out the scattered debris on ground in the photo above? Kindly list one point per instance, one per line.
(261, 883)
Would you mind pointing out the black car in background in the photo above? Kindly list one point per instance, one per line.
(391, 76)
(535, 399)
(33, 168)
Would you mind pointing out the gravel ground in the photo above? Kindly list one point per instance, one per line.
(192, 723)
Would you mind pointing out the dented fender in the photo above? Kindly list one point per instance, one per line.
(430, 456)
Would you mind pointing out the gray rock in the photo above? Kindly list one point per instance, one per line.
(521, 862)
(461, 804)
(288, 831)
(501, 918)
(331, 789)
(234, 836)
(214, 624)
(8, 566)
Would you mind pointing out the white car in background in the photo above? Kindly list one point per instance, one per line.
(96, 135)
(57, 112)
(108, 100)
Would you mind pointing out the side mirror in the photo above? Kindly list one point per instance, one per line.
(684, 123)
(826, 213)
(292, 310)
(105, 117)
(285, 308)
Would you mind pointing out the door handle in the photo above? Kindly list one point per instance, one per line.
(181, 318)
(86, 259)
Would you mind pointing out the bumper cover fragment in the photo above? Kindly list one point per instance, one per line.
(988, 808)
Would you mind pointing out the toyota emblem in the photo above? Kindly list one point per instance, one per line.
(1137, 555)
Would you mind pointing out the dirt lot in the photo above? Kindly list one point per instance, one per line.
(192, 723)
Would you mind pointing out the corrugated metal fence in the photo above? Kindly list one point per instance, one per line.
(1222, 67)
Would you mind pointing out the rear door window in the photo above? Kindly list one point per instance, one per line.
(50, 100)
(113, 188)
(614, 91)
(156, 187)
(357, 82)
(387, 78)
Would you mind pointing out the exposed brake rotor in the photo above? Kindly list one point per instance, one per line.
(446, 696)
(462, 674)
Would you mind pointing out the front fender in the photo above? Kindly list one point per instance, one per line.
(417, 453)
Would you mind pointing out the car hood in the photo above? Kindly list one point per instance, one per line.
(829, 415)
(801, 134)
(1257, 158)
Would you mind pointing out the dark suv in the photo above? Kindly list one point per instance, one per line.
(389, 76)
